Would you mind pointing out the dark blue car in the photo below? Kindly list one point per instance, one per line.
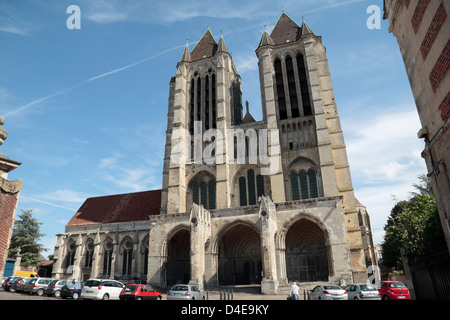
(72, 289)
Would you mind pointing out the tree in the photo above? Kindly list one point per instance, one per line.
(26, 236)
(413, 225)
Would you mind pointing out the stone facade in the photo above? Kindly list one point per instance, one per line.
(422, 29)
(243, 201)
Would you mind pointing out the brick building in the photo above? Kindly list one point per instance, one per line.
(9, 197)
(422, 29)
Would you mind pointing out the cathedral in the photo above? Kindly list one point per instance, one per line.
(242, 201)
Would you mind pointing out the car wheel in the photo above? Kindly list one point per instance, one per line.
(40, 292)
(75, 296)
(105, 297)
(356, 298)
(159, 298)
(139, 298)
(385, 298)
(57, 293)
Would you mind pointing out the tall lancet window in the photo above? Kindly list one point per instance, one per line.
(203, 102)
(304, 86)
(292, 89)
(191, 107)
(280, 89)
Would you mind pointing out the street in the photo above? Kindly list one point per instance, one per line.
(6, 295)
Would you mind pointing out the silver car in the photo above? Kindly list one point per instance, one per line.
(328, 292)
(37, 285)
(54, 288)
(362, 291)
(185, 292)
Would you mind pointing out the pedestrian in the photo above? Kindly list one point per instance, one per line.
(294, 291)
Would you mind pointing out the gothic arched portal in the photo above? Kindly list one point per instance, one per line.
(306, 252)
(240, 256)
(178, 267)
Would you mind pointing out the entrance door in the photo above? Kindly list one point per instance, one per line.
(178, 269)
(240, 256)
(306, 253)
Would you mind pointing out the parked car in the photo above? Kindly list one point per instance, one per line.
(328, 292)
(362, 291)
(185, 292)
(139, 292)
(72, 289)
(28, 274)
(3, 280)
(37, 285)
(393, 290)
(54, 287)
(19, 285)
(9, 282)
(102, 289)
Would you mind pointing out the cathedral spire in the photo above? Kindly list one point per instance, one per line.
(186, 57)
(306, 29)
(222, 47)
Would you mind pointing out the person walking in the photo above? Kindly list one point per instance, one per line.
(294, 291)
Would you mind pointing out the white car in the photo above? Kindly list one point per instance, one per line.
(184, 292)
(328, 292)
(102, 289)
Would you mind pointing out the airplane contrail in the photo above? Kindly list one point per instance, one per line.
(37, 101)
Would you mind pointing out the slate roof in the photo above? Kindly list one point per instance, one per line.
(118, 208)
(285, 30)
(205, 48)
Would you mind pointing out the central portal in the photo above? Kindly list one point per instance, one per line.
(240, 256)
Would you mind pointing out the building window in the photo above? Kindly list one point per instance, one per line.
(292, 87)
(70, 260)
(250, 188)
(204, 192)
(107, 258)
(89, 254)
(304, 185)
(280, 89)
(127, 257)
(202, 102)
(304, 86)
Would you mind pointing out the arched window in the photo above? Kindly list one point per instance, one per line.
(89, 254)
(203, 190)
(304, 185)
(280, 89)
(107, 257)
(250, 188)
(191, 107)
(127, 257)
(202, 101)
(70, 259)
(292, 88)
(304, 86)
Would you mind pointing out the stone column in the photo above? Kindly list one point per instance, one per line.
(268, 220)
(200, 223)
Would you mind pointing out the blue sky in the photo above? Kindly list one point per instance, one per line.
(86, 109)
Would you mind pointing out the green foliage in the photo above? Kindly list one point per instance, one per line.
(26, 236)
(413, 225)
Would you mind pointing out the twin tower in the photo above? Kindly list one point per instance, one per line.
(274, 203)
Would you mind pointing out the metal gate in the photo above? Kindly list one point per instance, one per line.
(304, 267)
(431, 277)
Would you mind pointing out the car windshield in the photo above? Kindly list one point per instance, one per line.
(331, 288)
(368, 287)
(396, 285)
(179, 288)
(130, 288)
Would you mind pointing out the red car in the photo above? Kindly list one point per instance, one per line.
(139, 292)
(393, 290)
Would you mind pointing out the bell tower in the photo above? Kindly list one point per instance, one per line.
(205, 94)
(298, 99)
